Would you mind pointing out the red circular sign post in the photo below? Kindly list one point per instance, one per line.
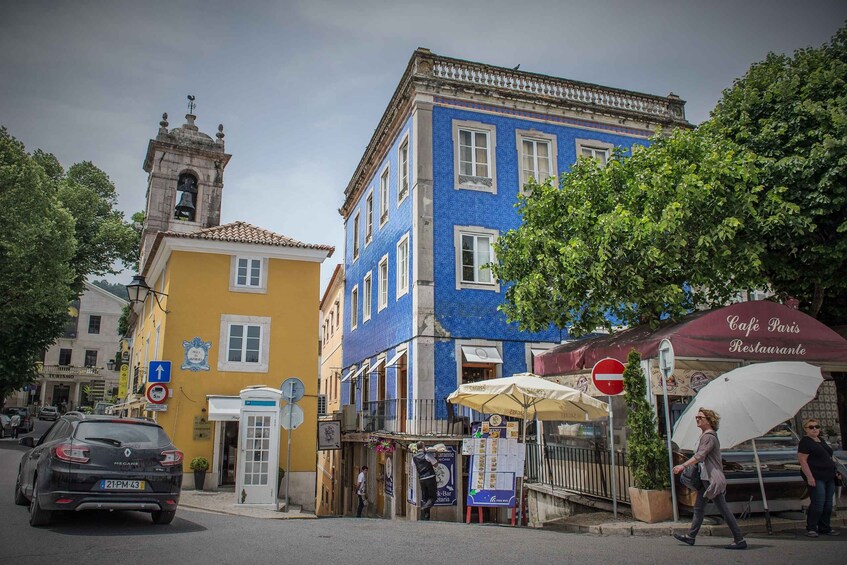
(157, 394)
(607, 375)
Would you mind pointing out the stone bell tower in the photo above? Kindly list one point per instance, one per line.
(185, 183)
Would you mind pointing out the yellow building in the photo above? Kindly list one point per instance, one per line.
(229, 306)
(329, 460)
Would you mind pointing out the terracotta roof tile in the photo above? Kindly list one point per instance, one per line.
(242, 232)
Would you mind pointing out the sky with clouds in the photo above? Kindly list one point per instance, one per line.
(301, 85)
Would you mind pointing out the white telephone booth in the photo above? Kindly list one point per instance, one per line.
(258, 447)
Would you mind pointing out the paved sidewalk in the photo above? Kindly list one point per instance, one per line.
(223, 502)
(603, 523)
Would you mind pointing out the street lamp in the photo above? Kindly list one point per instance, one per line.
(138, 291)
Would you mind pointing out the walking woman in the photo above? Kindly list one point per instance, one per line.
(815, 457)
(708, 456)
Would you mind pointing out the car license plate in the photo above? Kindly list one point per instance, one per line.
(120, 484)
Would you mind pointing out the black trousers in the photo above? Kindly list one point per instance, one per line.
(429, 492)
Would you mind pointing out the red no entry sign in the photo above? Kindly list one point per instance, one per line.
(607, 375)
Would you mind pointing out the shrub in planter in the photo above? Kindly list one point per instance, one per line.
(199, 465)
(646, 452)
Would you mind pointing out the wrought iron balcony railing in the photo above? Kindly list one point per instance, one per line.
(419, 417)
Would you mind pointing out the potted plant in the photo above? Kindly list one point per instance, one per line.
(199, 465)
(650, 496)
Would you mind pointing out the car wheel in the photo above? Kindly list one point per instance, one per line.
(37, 515)
(163, 517)
(20, 499)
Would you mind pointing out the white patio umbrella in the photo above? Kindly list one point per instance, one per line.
(750, 400)
(528, 396)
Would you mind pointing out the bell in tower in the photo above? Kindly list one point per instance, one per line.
(186, 190)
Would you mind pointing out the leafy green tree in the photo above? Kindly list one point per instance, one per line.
(677, 225)
(791, 111)
(646, 452)
(37, 245)
(103, 237)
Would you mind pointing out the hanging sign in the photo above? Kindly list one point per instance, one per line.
(389, 476)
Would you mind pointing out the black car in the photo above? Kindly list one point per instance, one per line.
(88, 462)
(26, 424)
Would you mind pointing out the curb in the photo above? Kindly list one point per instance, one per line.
(666, 530)
(229, 513)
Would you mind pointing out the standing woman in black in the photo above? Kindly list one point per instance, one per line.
(815, 457)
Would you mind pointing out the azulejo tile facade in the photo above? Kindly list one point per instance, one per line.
(473, 131)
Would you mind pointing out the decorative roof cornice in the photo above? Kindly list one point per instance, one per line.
(428, 73)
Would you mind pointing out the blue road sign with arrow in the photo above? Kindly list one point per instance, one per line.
(159, 372)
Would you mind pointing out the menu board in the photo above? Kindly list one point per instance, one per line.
(497, 459)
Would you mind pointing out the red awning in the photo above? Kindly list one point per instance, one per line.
(752, 331)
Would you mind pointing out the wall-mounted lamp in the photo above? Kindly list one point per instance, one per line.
(111, 365)
(138, 291)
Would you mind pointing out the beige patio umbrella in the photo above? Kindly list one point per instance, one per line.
(528, 396)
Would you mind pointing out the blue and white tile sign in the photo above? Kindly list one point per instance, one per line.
(196, 355)
(496, 460)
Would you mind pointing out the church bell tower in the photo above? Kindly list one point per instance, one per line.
(185, 170)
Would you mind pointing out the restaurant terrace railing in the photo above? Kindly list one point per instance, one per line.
(399, 416)
(579, 469)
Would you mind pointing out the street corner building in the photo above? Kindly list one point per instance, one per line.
(434, 190)
(230, 312)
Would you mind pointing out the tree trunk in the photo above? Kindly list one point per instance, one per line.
(817, 301)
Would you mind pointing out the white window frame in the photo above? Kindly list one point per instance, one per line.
(367, 296)
(458, 232)
(536, 137)
(229, 320)
(262, 288)
(354, 307)
(384, 194)
(382, 284)
(402, 269)
(357, 247)
(337, 314)
(403, 171)
(472, 182)
(369, 218)
(594, 145)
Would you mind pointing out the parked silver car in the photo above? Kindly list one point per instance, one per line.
(48, 413)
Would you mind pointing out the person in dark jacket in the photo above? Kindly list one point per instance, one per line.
(425, 463)
(818, 468)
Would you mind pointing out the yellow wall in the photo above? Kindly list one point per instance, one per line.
(197, 285)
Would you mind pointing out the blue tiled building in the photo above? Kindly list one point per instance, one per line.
(435, 187)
